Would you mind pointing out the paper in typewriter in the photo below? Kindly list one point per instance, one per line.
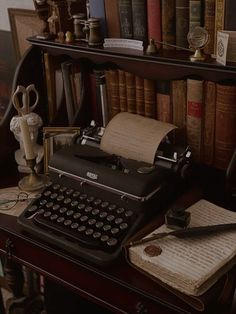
(135, 137)
(191, 265)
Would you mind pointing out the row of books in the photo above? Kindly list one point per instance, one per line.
(166, 21)
(204, 111)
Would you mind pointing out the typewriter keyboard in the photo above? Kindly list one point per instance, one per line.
(86, 225)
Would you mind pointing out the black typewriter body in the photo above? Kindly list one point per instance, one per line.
(94, 202)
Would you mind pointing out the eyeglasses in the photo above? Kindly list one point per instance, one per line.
(9, 199)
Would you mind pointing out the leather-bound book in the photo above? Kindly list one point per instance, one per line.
(139, 83)
(179, 104)
(164, 110)
(182, 22)
(150, 98)
(122, 90)
(230, 21)
(130, 92)
(219, 19)
(225, 129)
(195, 13)
(209, 91)
(209, 24)
(154, 20)
(139, 18)
(168, 22)
(114, 86)
(125, 14)
(194, 116)
(112, 18)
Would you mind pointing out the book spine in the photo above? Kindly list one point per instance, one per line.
(182, 22)
(229, 19)
(179, 104)
(154, 20)
(168, 22)
(115, 100)
(98, 75)
(195, 13)
(209, 24)
(112, 18)
(209, 91)
(97, 9)
(225, 130)
(149, 98)
(164, 112)
(125, 14)
(130, 92)
(139, 18)
(139, 83)
(194, 116)
(122, 90)
(219, 19)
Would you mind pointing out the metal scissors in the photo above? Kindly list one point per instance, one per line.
(22, 104)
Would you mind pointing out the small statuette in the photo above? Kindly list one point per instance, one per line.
(198, 38)
(152, 48)
(69, 37)
(152, 250)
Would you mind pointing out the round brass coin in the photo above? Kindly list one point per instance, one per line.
(152, 250)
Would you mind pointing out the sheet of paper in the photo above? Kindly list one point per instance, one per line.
(135, 137)
(186, 264)
(222, 46)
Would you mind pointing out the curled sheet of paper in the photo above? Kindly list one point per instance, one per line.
(135, 137)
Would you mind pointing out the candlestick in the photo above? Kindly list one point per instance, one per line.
(28, 146)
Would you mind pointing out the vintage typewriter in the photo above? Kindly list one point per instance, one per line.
(95, 200)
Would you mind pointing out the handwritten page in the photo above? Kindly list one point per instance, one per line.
(135, 137)
(191, 264)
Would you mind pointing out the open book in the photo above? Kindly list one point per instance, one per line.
(190, 265)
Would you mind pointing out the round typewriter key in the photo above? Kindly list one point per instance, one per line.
(104, 238)
(69, 213)
(47, 193)
(48, 184)
(75, 225)
(77, 215)
(67, 201)
(118, 220)
(76, 194)
(63, 210)
(41, 211)
(115, 230)
(90, 199)
(112, 207)
(60, 219)
(97, 235)
(123, 226)
(47, 214)
(107, 227)
(97, 202)
(103, 215)
(33, 208)
(56, 187)
(99, 224)
(49, 204)
(81, 228)
(110, 218)
(88, 209)
(81, 206)
(92, 222)
(104, 205)
(83, 197)
(67, 222)
(60, 198)
(112, 242)
(95, 212)
(53, 196)
(63, 189)
(74, 203)
(89, 231)
(128, 213)
(84, 218)
(55, 207)
(42, 202)
(54, 217)
(69, 192)
(120, 210)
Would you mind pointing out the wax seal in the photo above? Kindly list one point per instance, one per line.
(153, 250)
(198, 38)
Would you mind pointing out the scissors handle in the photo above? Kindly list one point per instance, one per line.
(31, 88)
(24, 107)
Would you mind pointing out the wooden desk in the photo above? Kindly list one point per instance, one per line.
(119, 287)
